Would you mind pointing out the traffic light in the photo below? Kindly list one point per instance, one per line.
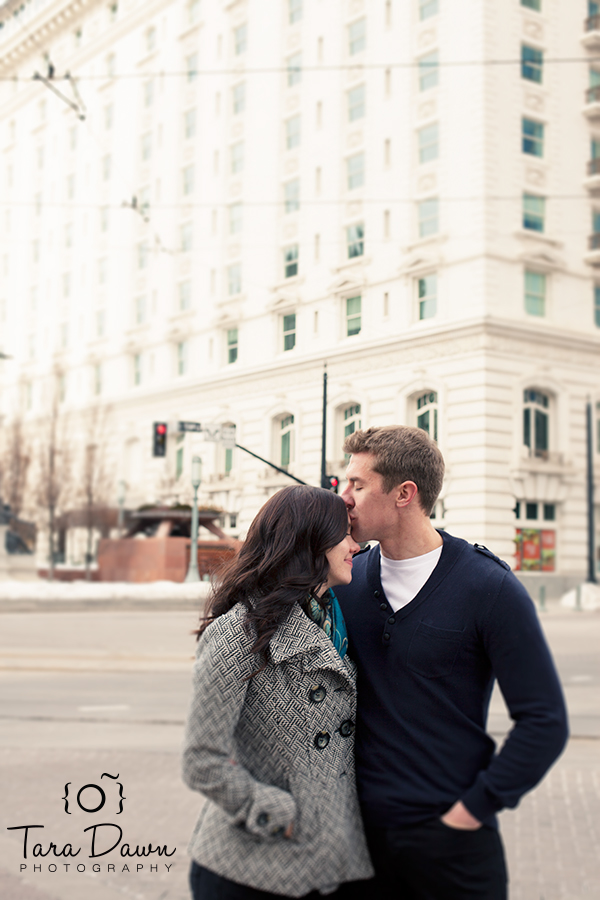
(159, 439)
(333, 483)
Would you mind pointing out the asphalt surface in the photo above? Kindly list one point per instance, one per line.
(92, 692)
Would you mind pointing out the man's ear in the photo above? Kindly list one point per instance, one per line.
(405, 493)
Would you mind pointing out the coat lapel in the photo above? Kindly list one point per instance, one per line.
(302, 638)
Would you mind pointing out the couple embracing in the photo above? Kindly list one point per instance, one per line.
(338, 720)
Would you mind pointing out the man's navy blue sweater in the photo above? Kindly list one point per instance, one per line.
(425, 676)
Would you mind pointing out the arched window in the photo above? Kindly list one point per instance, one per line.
(427, 413)
(286, 440)
(536, 421)
(227, 451)
(351, 422)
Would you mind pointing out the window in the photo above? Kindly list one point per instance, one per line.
(428, 138)
(534, 209)
(289, 331)
(356, 103)
(148, 93)
(100, 323)
(185, 295)
(355, 240)
(536, 406)
(427, 413)
(295, 10)
(188, 180)
(186, 237)
(142, 255)
(66, 284)
(290, 261)
(357, 36)
(64, 335)
(146, 142)
(532, 140)
(104, 219)
(191, 67)
(110, 65)
(292, 132)
(535, 543)
(355, 166)
(182, 357)
(189, 124)
(137, 369)
(237, 157)
(294, 69)
(428, 8)
(232, 345)
(352, 420)
(428, 214)
(428, 71)
(108, 116)
(597, 305)
(532, 61)
(150, 39)
(535, 294)
(291, 193)
(97, 382)
(193, 11)
(140, 310)
(234, 279)
(353, 315)
(102, 270)
(240, 39)
(532, 4)
(68, 235)
(239, 98)
(286, 440)
(427, 295)
(235, 218)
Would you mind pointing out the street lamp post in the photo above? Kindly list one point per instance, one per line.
(121, 490)
(192, 572)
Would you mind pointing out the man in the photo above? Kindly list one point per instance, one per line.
(432, 620)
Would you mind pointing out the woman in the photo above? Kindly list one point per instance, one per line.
(269, 738)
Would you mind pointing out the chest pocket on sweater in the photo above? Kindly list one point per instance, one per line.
(433, 651)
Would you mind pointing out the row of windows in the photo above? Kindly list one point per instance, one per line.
(426, 292)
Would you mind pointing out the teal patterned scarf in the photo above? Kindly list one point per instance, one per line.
(327, 614)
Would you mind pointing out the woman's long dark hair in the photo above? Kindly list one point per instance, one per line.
(281, 562)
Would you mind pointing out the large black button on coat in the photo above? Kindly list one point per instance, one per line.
(321, 740)
(347, 728)
(317, 694)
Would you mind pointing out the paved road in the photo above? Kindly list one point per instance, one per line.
(87, 693)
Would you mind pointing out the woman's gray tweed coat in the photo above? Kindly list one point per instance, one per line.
(271, 750)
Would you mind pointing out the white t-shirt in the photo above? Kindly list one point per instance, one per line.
(402, 579)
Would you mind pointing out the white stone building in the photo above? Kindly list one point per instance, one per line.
(403, 190)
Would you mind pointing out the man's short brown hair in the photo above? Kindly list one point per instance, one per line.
(402, 454)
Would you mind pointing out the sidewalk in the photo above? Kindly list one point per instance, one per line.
(105, 692)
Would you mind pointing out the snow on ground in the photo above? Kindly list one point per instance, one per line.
(584, 596)
(41, 589)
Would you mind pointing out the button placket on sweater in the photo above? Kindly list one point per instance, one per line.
(390, 619)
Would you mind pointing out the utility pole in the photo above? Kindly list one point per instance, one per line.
(590, 496)
(324, 479)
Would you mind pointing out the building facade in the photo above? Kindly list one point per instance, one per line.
(204, 202)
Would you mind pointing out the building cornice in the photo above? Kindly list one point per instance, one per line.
(460, 339)
(59, 15)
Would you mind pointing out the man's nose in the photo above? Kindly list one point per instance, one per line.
(346, 496)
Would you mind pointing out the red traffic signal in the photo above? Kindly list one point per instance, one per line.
(334, 483)
(159, 439)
